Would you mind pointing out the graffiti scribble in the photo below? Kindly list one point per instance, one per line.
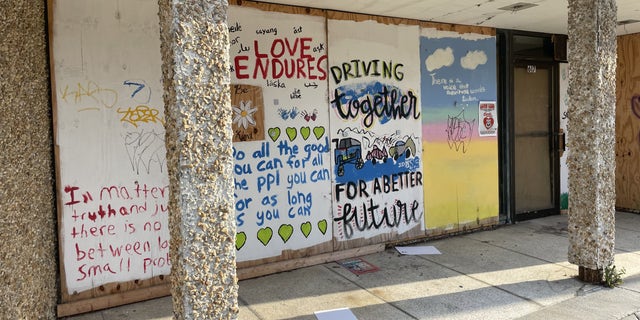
(138, 86)
(146, 149)
(101, 96)
(459, 132)
(635, 105)
(635, 108)
(140, 91)
(142, 114)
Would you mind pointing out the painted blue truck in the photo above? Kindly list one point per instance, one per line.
(348, 150)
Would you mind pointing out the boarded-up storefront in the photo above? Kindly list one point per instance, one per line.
(350, 132)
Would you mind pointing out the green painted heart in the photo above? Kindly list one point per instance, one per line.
(241, 239)
(306, 229)
(274, 133)
(264, 235)
(318, 132)
(322, 226)
(285, 231)
(292, 133)
(305, 132)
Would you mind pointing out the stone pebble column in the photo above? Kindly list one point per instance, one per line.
(195, 52)
(591, 162)
(28, 247)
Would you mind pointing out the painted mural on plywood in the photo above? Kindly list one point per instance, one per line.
(248, 113)
(628, 123)
(111, 151)
(376, 152)
(282, 164)
(460, 145)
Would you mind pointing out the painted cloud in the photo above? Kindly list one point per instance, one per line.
(473, 59)
(440, 58)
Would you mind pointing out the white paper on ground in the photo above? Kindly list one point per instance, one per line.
(335, 314)
(418, 250)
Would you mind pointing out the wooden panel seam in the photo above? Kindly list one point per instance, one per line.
(287, 265)
(94, 304)
(264, 6)
(343, 15)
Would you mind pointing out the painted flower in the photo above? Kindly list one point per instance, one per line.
(243, 116)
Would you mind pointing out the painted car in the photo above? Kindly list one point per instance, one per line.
(408, 148)
(375, 154)
(348, 150)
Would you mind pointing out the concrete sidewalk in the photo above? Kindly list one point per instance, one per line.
(517, 271)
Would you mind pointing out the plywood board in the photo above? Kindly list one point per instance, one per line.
(358, 17)
(104, 302)
(461, 29)
(374, 102)
(109, 142)
(628, 123)
(461, 180)
(248, 120)
(247, 273)
(282, 181)
(278, 8)
(286, 255)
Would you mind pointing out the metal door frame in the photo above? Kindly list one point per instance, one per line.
(507, 61)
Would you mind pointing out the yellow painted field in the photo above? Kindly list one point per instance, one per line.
(460, 188)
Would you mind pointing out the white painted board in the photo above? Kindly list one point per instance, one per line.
(281, 143)
(110, 136)
(374, 103)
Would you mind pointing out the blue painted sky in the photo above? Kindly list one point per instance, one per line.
(434, 96)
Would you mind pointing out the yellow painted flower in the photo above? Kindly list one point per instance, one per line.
(243, 116)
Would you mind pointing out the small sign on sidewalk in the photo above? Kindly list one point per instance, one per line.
(358, 266)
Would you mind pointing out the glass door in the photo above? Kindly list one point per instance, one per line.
(534, 153)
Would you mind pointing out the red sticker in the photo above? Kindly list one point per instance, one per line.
(488, 122)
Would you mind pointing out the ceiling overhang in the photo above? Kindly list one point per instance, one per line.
(548, 16)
